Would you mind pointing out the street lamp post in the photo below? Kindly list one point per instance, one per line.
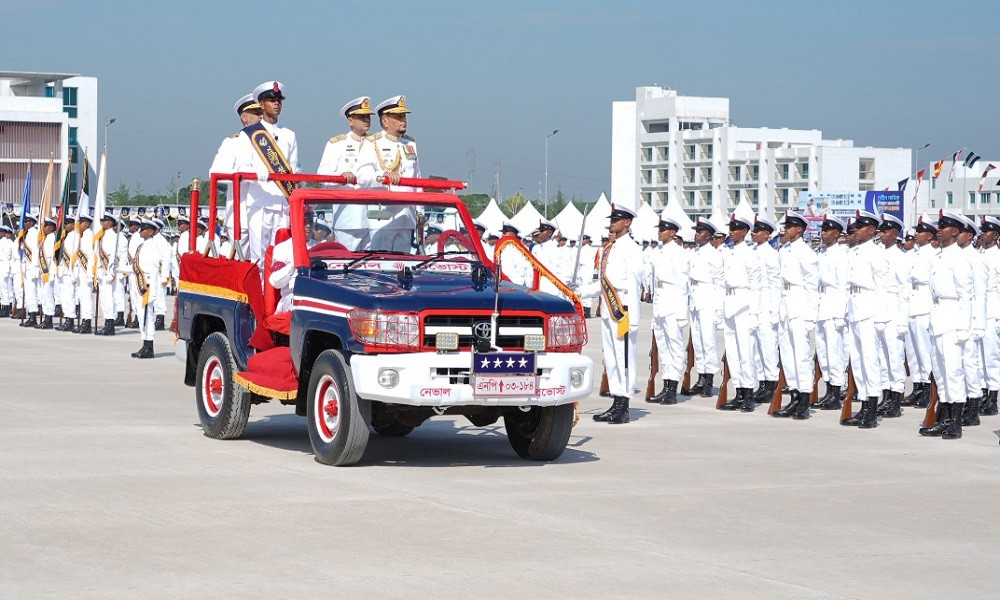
(916, 167)
(554, 131)
(177, 189)
(110, 123)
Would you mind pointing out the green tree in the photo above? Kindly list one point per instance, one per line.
(476, 203)
(121, 196)
(514, 203)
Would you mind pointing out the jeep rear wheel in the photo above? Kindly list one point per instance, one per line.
(223, 406)
(541, 433)
(338, 419)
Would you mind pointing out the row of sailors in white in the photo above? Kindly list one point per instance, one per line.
(88, 262)
(361, 158)
(869, 304)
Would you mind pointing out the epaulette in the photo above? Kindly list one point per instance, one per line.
(407, 138)
(374, 137)
(338, 138)
(235, 135)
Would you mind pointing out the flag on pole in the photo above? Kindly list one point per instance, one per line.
(954, 161)
(916, 189)
(61, 218)
(83, 196)
(99, 195)
(982, 181)
(937, 168)
(971, 160)
(25, 209)
(43, 213)
(902, 184)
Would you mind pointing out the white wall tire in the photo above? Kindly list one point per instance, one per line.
(338, 420)
(223, 406)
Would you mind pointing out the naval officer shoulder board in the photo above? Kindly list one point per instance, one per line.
(271, 154)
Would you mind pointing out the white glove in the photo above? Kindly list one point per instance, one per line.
(262, 174)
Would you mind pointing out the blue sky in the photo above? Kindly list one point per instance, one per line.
(495, 77)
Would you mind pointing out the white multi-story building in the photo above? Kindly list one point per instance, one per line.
(45, 115)
(962, 193)
(666, 147)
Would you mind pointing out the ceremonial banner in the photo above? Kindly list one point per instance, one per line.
(954, 161)
(271, 154)
(61, 218)
(982, 181)
(43, 213)
(25, 209)
(937, 168)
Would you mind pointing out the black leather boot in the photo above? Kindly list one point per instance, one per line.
(46, 323)
(970, 414)
(989, 406)
(697, 388)
(944, 413)
(108, 329)
(67, 325)
(891, 409)
(884, 402)
(831, 401)
(802, 410)
(914, 394)
(657, 398)
(766, 392)
(749, 403)
(58, 312)
(4, 310)
(954, 430)
(620, 415)
(706, 392)
(737, 401)
(146, 351)
(158, 324)
(134, 324)
(790, 408)
(603, 417)
(865, 418)
(31, 321)
(670, 396)
(85, 327)
(120, 320)
(826, 396)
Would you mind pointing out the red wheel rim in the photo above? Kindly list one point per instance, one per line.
(327, 408)
(213, 388)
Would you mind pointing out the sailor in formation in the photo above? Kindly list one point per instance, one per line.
(831, 320)
(110, 250)
(741, 312)
(146, 268)
(8, 253)
(705, 294)
(919, 311)
(668, 277)
(765, 356)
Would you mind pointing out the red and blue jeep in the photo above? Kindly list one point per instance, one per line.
(377, 339)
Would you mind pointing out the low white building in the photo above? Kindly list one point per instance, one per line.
(962, 193)
(668, 147)
(45, 115)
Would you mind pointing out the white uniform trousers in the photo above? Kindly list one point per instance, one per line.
(796, 353)
(918, 348)
(892, 367)
(159, 296)
(948, 367)
(765, 356)
(831, 351)
(619, 360)
(133, 296)
(119, 289)
(263, 223)
(7, 290)
(353, 239)
(146, 315)
(975, 381)
(67, 295)
(85, 297)
(47, 295)
(670, 346)
(106, 291)
(393, 238)
(703, 334)
(739, 336)
(865, 359)
(991, 354)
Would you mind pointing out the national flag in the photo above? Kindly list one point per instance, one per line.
(83, 196)
(902, 184)
(954, 161)
(43, 213)
(982, 181)
(25, 209)
(916, 190)
(971, 160)
(99, 195)
(61, 219)
(937, 168)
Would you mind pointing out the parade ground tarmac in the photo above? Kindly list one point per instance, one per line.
(108, 489)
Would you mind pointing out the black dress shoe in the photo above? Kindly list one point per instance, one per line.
(791, 408)
(120, 320)
(954, 430)
(831, 401)
(736, 403)
(621, 415)
(970, 414)
(944, 416)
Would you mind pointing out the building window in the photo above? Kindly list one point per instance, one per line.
(783, 172)
(72, 182)
(950, 198)
(754, 197)
(804, 171)
(706, 175)
(50, 91)
(734, 173)
(647, 176)
(662, 176)
(689, 152)
(647, 197)
(933, 203)
(689, 175)
(866, 187)
(69, 101)
(972, 198)
(690, 125)
(658, 127)
(984, 198)
(662, 153)
(646, 154)
(706, 150)
(690, 198)
(866, 169)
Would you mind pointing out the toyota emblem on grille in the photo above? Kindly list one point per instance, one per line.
(482, 330)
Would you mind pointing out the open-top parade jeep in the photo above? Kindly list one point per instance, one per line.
(379, 339)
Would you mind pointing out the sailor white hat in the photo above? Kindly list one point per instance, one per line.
(621, 212)
(832, 221)
(246, 103)
(794, 219)
(358, 106)
(269, 89)
(394, 105)
(760, 222)
(508, 226)
(890, 222)
(864, 217)
(970, 225)
(739, 222)
(703, 223)
(990, 223)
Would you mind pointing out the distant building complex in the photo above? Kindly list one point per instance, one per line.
(666, 147)
(45, 115)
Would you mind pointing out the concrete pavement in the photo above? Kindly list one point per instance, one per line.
(108, 489)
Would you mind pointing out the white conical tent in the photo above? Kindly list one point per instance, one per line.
(744, 211)
(492, 216)
(719, 218)
(597, 219)
(644, 224)
(527, 219)
(568, 221)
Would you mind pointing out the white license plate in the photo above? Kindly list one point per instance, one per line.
(499, 386)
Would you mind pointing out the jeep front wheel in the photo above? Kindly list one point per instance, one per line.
(338, 419)
(223, 406)
(541, 433)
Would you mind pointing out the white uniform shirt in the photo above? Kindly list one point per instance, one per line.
(742, 280)
(30, 243)
(348, 153)
(248, 160)
(866, 268)
(624, 273)
(991, 257)
(952, 290)
(70, 244)
(833, 291)
(8, 254)
(669, 276)
(892, 291)
(706, 278)
(113, 246)
(920, 279)
(980, 279)
(799, 279)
